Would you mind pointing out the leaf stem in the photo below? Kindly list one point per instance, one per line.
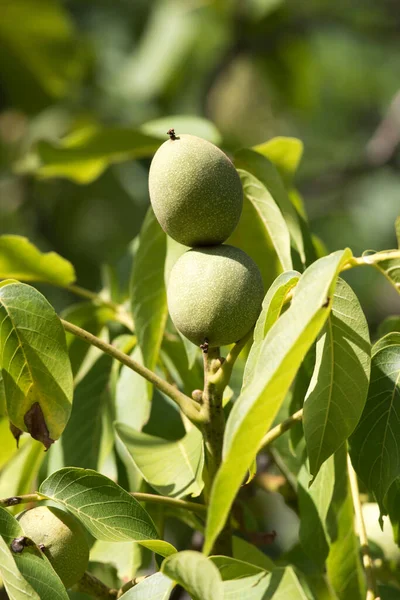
(370, 259)
(188, 406)
(121, 315)
(173, 502)
(362, 533)
(280, 429)
(25, 499)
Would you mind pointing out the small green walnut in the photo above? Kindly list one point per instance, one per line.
(195, 191)
(62, 539)
(215, 294)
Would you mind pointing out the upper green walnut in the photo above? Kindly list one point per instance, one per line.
(195, 191)
(63, 538)
(215, 294)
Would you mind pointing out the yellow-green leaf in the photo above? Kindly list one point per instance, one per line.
(20, 259)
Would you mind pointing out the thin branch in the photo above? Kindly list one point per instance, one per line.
(365, 549)
(173, 502)
(274, 433)
(213, 433)
(121, 315)
(371, 259)
(223, 375)
(25, 499)
(188, 406)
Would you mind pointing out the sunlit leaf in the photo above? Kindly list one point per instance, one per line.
(271, 310)
(267, 173)
(86, 153)
(27, 574)
(106, 510)
(19, 473)
(282, 352)
(270, 216)
(192, 125)
(196, 573)
(155, 587)
(172, 468)
(285, 153)
(20, 259)
(339, 385)
(148, 295)
(281, 584)
(374, 444)
(344, 566)
(35, 364)
(390, 268)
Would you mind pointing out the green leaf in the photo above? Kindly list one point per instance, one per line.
(155, 587)
(92, 318)
(106, 510)
(270, 216)
(29, 573)
(81, 440)
(16, 586)
(390, 268)
(196, 573)
(281, 354)
(175, 357)
(271, 309)
(252, 237)
(192, 125)
(374, 444)
(339, 385)
(267, 173)
(285, 153)
(35, 364)
(281, 584)
(20, 259)
(132, 395)
(246, 552)
(314, 504)
(389, 325)
(344, 566)
(40, 58)
(397, 229)
(84, 154)
(148, 295)
(231, 568)
(19, 473)
(171, 468)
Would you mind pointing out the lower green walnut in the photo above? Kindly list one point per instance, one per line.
(215, 294)
(62, 539)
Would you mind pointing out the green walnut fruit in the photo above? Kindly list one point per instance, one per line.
(62, 539)
(195, 191)
(215, 294)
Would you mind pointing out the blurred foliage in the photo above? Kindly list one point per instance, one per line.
(86, 89)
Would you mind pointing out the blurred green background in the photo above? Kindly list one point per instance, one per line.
(98, 74)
